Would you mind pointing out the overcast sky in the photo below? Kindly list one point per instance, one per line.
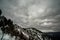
(41, 14)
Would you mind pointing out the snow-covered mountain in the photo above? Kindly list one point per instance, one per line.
(33, 34)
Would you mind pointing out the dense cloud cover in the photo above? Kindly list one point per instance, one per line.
(41, 14)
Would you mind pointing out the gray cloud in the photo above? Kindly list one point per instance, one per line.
(41, 14)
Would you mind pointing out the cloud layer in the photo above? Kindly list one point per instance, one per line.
(41, 14)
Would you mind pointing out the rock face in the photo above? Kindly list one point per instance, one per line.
(36, 34)
(33, 34)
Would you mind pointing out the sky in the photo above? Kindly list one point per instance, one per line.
(43, 15)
